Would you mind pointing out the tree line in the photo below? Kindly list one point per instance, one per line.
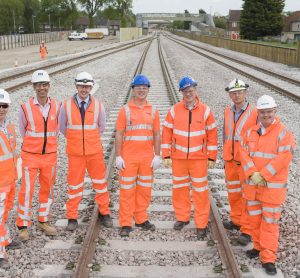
(18, 16)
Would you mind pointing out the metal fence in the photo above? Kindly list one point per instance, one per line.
(283, 55)
(21, 40)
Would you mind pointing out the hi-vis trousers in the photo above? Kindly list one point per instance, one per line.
(6, 204)
(95, 166)
(135, 190)
(43, 166)
(186, 171)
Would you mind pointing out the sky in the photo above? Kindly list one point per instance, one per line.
(215, 6)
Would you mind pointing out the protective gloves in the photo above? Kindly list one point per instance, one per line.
(167, 162)
(257, 178)
(120, 163)
(210, 164)
(155, 164)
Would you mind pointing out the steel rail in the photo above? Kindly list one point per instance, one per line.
(89, 244)
(244, 73)
(98, 55)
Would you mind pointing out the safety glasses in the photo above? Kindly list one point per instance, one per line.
(4, 106)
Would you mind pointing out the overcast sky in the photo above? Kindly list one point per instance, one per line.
(193, 6)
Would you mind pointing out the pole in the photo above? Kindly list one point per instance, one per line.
(49, 23)
(14, 22)
(33, 24)
(59, 23)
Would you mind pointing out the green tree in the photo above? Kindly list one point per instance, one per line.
(178, 24)
(11, 12)
(220, 22)
(30, 18)
(201, 11)
(92, 7)
(261, 18)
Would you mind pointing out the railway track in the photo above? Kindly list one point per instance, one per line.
(101, 244)
(282, 84)
(18, 80)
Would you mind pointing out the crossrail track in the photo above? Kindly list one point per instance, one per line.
(95, 232)
(284, 85)
(18, 80)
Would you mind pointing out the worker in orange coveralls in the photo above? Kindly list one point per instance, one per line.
(82, 120)
(43, 50)
(266, 152)
(8, 176)
(189, 138)
(238, 118)
(38, 125)
(137, 155)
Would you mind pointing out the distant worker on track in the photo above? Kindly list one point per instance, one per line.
(8, 176)
(266, 152)
(238, 118)
(38, 124)
(137, 156)
(43, 50)
(189, 141)
(82, 121)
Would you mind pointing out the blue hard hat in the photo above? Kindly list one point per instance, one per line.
(186, 82)
(140, 80)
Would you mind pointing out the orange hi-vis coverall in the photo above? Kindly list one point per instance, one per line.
(189, 137)
(39, 154)
(268, 151)
(233, 171)
(43, 51)
(8, 176)
(139, 125)
(85, 152)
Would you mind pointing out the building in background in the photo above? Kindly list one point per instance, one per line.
(291, 29)
(233, 24)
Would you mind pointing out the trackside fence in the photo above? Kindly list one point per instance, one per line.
(22, 40)
(283, 55)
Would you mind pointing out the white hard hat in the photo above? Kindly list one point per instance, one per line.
(265, 102)
(84, 78)
(236, 85)
(40, 76)
(4, 97)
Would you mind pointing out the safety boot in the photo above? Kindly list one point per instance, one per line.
(244, 239)
(253, 253)
(23, 234)
(125, 231)
(270, 268)
(15, 244)
(147, 226)
(4, 263)
(47, 228)
(229, 225)
(180, 224)
(201, 233)
(72, 225)
(105, 220)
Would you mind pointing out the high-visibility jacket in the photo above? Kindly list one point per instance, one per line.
(190, 134)
(41, 134)
(270, 154)
(83, 138)
(138, 125)
(233, 131)
(8, 158)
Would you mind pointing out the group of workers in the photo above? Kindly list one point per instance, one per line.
(257, 151)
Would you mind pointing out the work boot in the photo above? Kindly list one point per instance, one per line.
(23, 234)
(244, 239)
(229, 225)
(125, 231)
(72, 225)
(47, 228)
(4, 263)
(180, 224)
(270, 268)
(253, 253)
(15, 244)
(147, 226)
(105, 220)
(201, 233)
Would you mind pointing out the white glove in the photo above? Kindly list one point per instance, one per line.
(120, 163)
(155, 164)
